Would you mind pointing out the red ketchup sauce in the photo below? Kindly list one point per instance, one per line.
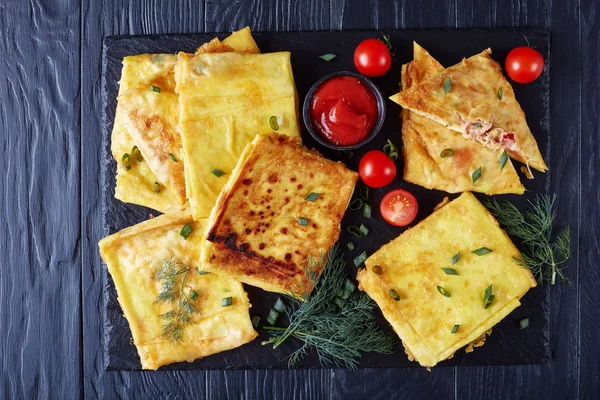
(344, 110)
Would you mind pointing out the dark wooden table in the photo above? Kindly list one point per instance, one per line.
(50, 216)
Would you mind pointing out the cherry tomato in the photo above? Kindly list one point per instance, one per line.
(399, 207)
(376, 169)
(372, 58)
(524, 64)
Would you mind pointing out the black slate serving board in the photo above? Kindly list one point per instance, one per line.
(507, 345)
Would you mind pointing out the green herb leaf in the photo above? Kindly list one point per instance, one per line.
(447, 153)
(391, 150)
(349, 285)
(378, 270)
(136, 154)
(328, 56)
(273, 123)
(218, 173)
(312, 197)
(524, 323)
(255, 321)
(500, 93)
(503, 160)
(488, 297)
(394, 295)
(155, 88)
(360, 259)
(367, 210)
(201, 272)
(443, 291)
(303, 221)
(455, 258)
(364, 193)
(157, 187)
(126, 162)
(476, 175)
(172, 157)
(363, 229)
(455, 328)
(450, 271)
(356, 204)
(186, 231)
(273, 317)
(193, 295)
(447, 85)
(279, 306)
(226, 302)
(355, 230)
(350, 246)
(481, 251)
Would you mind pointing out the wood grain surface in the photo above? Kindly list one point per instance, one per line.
(51, 218)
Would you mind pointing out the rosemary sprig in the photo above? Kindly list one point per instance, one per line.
(543, 251)
(338, 332)
(172, 291)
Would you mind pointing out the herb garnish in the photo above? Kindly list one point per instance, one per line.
(447, 153)
(476, 175)
(503, 160)
(524, 323)
(155, 88)
(455, 258)
(170, 292)
(350, 246)
(394, 295)
(391, 150)
(137, 154)
(447, 85)
(338, 332)
(500, 93)
(126, 162)
(378, 270)
(450, 271)
(328, 56)
(542, 251)
(443, 291)
(367, 211)
(303, 221)
(218, 173)
(364, 193)
(172, 157)
(186, 231)
(156, 187)
(481, 251)
(488, 297)
(360, 259)
(226, 302)
(455, 328)
(273, 123)
(312, 197)
(356, 204)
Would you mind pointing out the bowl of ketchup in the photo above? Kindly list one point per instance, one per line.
(343, 110)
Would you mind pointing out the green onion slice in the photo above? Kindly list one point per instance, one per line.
(126, 162)
(172, 157)
(186, 231)
(488, 297)
(355, 230)
(273, 123)
(503, 160)
(447, 153)
(378, 270)
(443, 291)
(364, 193)
(447, 85)
(226, 302)
(358, 260)
(455, 328)
(363, 229)
(524, 323)
(273, 316)
(350, 246)
(481, 251)
(455, 258)
(303, 221)
(157, 187)
(450, 271)
(367, 210)
(394, 295)
(201, 272)
(391, 150)
(218, 173)
(476, 175)
(327, 57)
(136, 153)
(500, 93)
(279, 306)
(193, 295)
(155, 88)
(312, 197)
(255, 321)
(356, 204)
(349, 285)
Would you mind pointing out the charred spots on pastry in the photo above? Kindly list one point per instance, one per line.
(315, 225)
(244, 247)
(248, 231)
(245, 192)
(293, 179)
(247, 182)
(287, 199)
(269, 190)
(212, 236)
(299, 186)
(273, 178)
(252, 213)
(284, 231)
(270, 259)
(262, 246)
(230, 241)
(287, 256)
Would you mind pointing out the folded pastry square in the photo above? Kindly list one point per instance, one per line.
(208, 313)
(281, 206)
(226, 99)
(446, 282)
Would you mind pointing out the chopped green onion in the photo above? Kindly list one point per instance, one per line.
(186, 231)
(488, 297)
(273, 123)
(126, 162)
(393, 156)
(218, 173)
(455, 258)
(226, 302)
(481, 251)
(358, 260)
(391, 150)
(255, 321)
(476, 175)
(455, 328)
(378, 270)
(349, 285)
(279, 306)
(350, 246)
(447, 153)
(136, 153)
(312, 197)
(273, 316)
(394, 295)
(503, 160)
(450, 271)
(500, 93)
(367, 210)
(303, 221)
(343, 294)
(388, 43)
(172, 157)
(356, 204)
(447, 85)
(157, 187)
(364, 193)
(355, 230)
(201, 272)
(443, 291)
(155, 88)
(363, 229)
(524, 323)
(193, 295)
(328, 56)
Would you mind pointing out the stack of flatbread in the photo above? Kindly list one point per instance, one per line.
(462, 125)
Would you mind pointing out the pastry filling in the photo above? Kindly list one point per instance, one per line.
(492, 137)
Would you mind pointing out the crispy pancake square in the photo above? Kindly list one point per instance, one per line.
(281, 207)
(435, 311)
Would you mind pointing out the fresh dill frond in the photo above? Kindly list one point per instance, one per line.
(171, 291)
(338, 333)
(543, 252)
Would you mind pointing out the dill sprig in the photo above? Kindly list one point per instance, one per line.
(543, 252)
(338, 332)
(170, 292)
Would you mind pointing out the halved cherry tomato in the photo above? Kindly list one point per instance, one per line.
(524, 64)
(372, 58)
(376, 169)
(399, 207)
